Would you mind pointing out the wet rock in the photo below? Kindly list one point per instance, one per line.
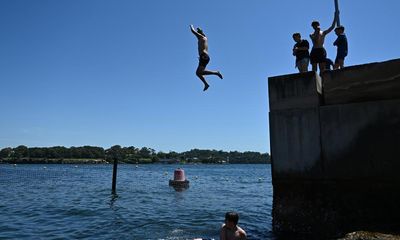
(369, 236)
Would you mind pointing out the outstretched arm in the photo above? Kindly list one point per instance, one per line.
(194, 32)
(333, 24)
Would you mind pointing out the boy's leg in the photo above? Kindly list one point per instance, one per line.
(199, 74)
(335, 66)
(314, 60)
(341, 63)
(322, 67)
(314, 67)
(303, 65)
(209, 72)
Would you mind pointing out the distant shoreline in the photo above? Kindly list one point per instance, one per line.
(100, 161)
(53, 161)
(133, 155)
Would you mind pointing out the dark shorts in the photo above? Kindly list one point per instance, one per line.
(317, 55)
(340, 56)
(204, 59)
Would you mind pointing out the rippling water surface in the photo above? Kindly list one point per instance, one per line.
(75, 201)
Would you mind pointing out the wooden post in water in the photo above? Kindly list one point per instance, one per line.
(114, 177)
(337, 10)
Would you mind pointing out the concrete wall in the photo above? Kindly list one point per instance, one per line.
(294, 159)
(369, 82)
(336, 156)
(293, 91)
(361, 140)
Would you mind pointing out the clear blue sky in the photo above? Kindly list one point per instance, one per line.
(106, 72)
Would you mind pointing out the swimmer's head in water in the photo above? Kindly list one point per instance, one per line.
(232, 217)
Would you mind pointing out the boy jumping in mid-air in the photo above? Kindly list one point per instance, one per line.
(204, 58)
(342, 48)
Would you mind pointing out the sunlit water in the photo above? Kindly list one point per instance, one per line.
(75, 201)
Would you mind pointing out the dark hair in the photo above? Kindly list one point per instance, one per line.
(296, 34)
(232, 217)
(199, 30)
(341, 28)
(315, 23)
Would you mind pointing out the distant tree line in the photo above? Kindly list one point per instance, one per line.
(91, 154)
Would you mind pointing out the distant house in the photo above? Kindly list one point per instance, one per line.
(193, 160)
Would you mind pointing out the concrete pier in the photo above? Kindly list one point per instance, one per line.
(335, 148)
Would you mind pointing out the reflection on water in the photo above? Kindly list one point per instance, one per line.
(113, 199)
(68, 202)
(179, 189)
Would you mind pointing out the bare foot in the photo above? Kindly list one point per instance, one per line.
(206, 86)
(219, 75)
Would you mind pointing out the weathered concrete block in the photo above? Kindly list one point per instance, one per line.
(335, 168)
(295, 143)
(294, 91)
(361, 140)
(369, 82)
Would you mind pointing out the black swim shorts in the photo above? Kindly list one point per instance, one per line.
(340, 55)
(317, 55)
(204, 59)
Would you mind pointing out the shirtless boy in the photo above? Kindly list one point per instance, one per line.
(230, 230)
(204, 58)
(318, 52)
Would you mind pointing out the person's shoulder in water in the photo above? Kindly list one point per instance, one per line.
(230, 230)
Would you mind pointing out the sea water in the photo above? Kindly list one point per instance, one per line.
(57, 201)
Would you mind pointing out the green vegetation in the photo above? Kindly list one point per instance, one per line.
(90, 154)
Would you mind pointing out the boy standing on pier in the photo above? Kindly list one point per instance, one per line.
(204, 58)
(342, 48)
(318, 52)
(300, 50)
